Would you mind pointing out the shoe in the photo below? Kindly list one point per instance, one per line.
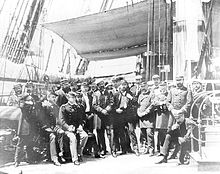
(80, 158)
(76, 163)
(103, 152)
(172, 157)
(114, 154)
(146, 151)
(16, 164)
(164, 160)
(130, 151)
(123, 153)
(137, 153)
(151, 154)
(99, 156)
(159, 154)
(62, 159)
(56, 163)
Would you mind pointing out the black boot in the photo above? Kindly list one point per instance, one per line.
(164, 160)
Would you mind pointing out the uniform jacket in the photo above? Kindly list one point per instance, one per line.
(49, 118)
(71, 115)
(179, 99)
(102, 101)
(144, 102)
(61, 99)
(128, 114)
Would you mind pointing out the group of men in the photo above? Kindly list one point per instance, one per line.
(79, 118)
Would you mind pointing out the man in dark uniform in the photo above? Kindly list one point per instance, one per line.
(62, 92)
(71, 118)
(28, 125)
(87, 100)
(179, 134)
(179, 101)
(124, 116)
(102, 105)
(50, 127)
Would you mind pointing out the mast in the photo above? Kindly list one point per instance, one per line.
(170, 43)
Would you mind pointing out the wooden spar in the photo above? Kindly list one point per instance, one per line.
(64, 60)
(148, 49)
(170, 43)
(153, 36)
(63, 47)
(159, 39)
(164, 43)
(48, 58)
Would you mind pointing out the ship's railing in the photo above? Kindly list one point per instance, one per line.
(207, 119)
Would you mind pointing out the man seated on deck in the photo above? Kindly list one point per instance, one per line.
(71, 119)
(180, 135)
(50, 126)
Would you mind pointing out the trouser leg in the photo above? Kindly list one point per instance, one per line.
(150, 139)
(73, 145)
(144, 137)
(19, 149)
(183, 149)
(176, 149)
(121, 135)
(82, 141)
(156, 141)
(60, 140)
(53, 151)
(161, 136)
(132, 136)
(110, 135)
(165, 148)
(101, 137)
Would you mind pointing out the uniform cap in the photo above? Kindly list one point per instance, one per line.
(63, 81)
(196, 81)
(179, 77)
(17, 86)
(156, 76)
(29, 84)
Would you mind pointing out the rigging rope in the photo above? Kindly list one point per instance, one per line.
(2, 6)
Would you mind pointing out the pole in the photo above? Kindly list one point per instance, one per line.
(159, 38)
(170, 44)
(48, 58)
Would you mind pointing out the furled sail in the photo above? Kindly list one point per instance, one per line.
(116, 33)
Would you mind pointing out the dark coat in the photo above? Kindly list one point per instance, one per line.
(71, 115)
